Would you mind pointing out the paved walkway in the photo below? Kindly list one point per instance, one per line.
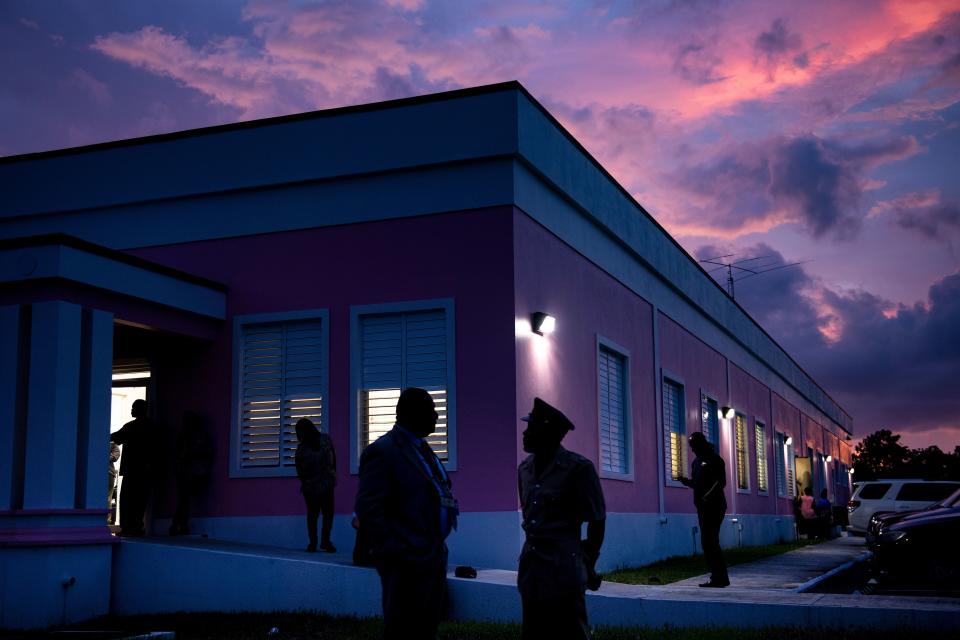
(795, 570)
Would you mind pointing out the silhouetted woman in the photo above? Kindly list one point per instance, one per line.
(317, 470)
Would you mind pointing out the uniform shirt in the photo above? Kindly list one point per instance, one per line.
(566, 495)
(709, 478)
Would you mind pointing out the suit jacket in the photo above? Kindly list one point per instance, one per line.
(398, 504)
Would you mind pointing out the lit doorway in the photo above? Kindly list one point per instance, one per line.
(131, 381)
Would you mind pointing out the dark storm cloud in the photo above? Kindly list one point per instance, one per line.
(697, 63)
(808, 180)
(934, 222)
(889, 366)
(772, 48)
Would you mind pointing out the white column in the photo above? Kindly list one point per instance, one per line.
(9, 356)
(93, 450)
(51, 442)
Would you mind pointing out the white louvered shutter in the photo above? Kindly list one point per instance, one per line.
(778, 461)
(761, 449)
(400, 350)
(614, 451)
(282, 377)
(673, 428)
(710, 420)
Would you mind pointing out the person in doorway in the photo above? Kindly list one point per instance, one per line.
(193, 457)
(808, 515)
(824, 513)
(708, 478)
(317, 470)
(559, 491)
(112, 482)
(406, 510)
(138, 466)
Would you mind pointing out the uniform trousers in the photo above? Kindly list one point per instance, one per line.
(322, 502)
(562, 618)
(710, 522)
(134, 495)
(414, 598)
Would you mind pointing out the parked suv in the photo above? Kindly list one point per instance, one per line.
(891, 496)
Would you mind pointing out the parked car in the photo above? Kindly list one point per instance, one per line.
(880, 520)
(893, 496)
(920, 551)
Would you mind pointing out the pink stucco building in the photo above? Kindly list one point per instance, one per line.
(316, 264)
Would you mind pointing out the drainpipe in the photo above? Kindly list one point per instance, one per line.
(657, 402)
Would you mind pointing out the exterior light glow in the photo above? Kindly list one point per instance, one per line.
(789, 441)
(829, 458)
(726, 413)
(543, 323)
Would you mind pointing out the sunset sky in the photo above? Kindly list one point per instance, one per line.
(826, 133)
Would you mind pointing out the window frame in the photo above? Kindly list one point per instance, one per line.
(665, 378)
(716, 399)
(280, 471)
(760, 425)
(409, 306)
(618, 350)
(746, 453)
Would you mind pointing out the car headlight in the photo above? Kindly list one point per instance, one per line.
(892, 536)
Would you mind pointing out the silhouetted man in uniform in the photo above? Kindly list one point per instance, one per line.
(139, 438)
(708, 479)
(559, 490)
(406, 509)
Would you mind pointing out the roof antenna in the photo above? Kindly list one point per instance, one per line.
(744, 272)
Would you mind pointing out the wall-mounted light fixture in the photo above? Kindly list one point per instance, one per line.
(851, 470)
(726, 413)
(829, 458)
(789, 441)
(543, 323)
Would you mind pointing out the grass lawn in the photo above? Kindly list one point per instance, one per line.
(291, 626)
(683, 567)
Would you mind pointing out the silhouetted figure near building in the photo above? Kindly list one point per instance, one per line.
(406, 510)
(708, 477)
(317, 470)
(361, 547)
(192, 467)
(808, 515)
(824, 511)
(559, 490)
(140, 439)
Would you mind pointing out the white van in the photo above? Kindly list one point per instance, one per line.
(886, 496)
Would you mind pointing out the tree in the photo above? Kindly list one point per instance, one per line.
(879, 455)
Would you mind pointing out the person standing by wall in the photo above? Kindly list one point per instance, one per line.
(138, 465)
(317, 469)
(406, 510)
(708, 477)
(559, 490)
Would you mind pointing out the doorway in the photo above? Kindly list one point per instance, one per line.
(131, 382)
(804, 478)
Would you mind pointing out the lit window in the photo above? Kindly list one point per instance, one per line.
(674, 428)
(761, 449)
(614, 426)
(743, 471)
(281, 372)
(397, 350)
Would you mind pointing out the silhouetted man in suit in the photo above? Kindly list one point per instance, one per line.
(708, 479)
(406, 510)
(139, 438)
(559, 490)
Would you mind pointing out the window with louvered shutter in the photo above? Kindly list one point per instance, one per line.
(614, 429)
(400, 350)
(673, 428)
(761, 448)
(743, 471)
(281, 378)
(710, 420)
(790, 467)
(779, 446)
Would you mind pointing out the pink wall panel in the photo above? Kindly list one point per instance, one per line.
(752, 398)
(465, 256)
(562, 367)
